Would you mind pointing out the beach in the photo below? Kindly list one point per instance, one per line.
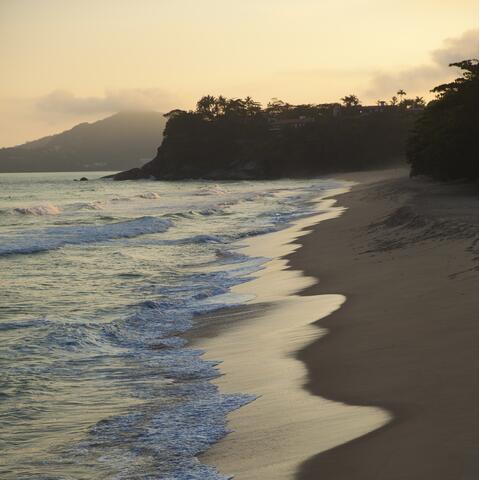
(361, 341)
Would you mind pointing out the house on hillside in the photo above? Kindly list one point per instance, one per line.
(279, 124)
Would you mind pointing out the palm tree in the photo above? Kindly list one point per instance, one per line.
(419, 102)
(401, 93)
(394, 100)
(251, 106)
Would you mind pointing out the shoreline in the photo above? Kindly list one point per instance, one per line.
(273, 358)
(248, 454)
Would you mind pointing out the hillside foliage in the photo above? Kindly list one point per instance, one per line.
(238, 138)
(444, 142)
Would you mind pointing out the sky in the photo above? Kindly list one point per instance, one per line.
(68, 61)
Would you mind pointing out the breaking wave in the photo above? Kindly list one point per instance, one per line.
(92, 342)
(149, 195)
(56, 237)
(47, 209)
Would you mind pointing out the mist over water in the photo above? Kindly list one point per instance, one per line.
(99, 280)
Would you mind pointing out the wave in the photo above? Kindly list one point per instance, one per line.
(117, 198)
(47, 209)
(192, 214)
(144, 195)
(149, 195)
(21, 324)
(56, 237)
(195, 239)
(206, 212)
(212, 239)
(130, 347)
(95, 205)
(174, 435)
(212, 190)
(203, 239)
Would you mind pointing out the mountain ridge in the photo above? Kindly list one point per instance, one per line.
(113, 143)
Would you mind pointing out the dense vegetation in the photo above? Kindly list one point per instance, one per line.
(114, 143)
(444, 144)
(237, 138)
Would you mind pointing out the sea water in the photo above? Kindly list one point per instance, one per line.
(98, 282)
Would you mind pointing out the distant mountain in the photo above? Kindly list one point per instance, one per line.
(114, 143)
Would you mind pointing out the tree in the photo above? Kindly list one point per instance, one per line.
(350, 101)
(221, 105)
(251, 106)
(419, 102)
(236, 138)
(394, 101)
(176, 112)
(277, 107)
(444, 143)
(401, 93)
(407, 103)
(207, 106)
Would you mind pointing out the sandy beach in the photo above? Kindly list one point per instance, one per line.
(365, 325)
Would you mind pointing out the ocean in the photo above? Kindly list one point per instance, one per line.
(99, 281)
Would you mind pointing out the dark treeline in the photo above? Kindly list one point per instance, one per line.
(444, 143)
(238, 138)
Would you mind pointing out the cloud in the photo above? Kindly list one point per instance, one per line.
(65, 102)
(456, 49)
(425, 77)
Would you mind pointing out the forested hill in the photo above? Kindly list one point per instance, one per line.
(238, 139)
(115, 143)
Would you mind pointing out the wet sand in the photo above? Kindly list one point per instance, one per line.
(361, 344)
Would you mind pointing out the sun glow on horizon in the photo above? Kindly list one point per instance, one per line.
(66, 62)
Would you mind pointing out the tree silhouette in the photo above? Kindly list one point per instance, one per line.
(176, 112)
(207, 106)
(350, 101)
(408, 103)
(444, 143)
(251, 106)
(276, 106)
(234, 138)
(401, 93)
(419, 102)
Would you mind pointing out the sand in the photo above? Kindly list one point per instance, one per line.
(362, 344)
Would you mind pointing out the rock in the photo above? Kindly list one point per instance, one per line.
(84, 179)
(133, 174)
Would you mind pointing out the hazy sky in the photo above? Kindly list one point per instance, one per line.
(66, 61)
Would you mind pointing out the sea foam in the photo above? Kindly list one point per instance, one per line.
(47, 209)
